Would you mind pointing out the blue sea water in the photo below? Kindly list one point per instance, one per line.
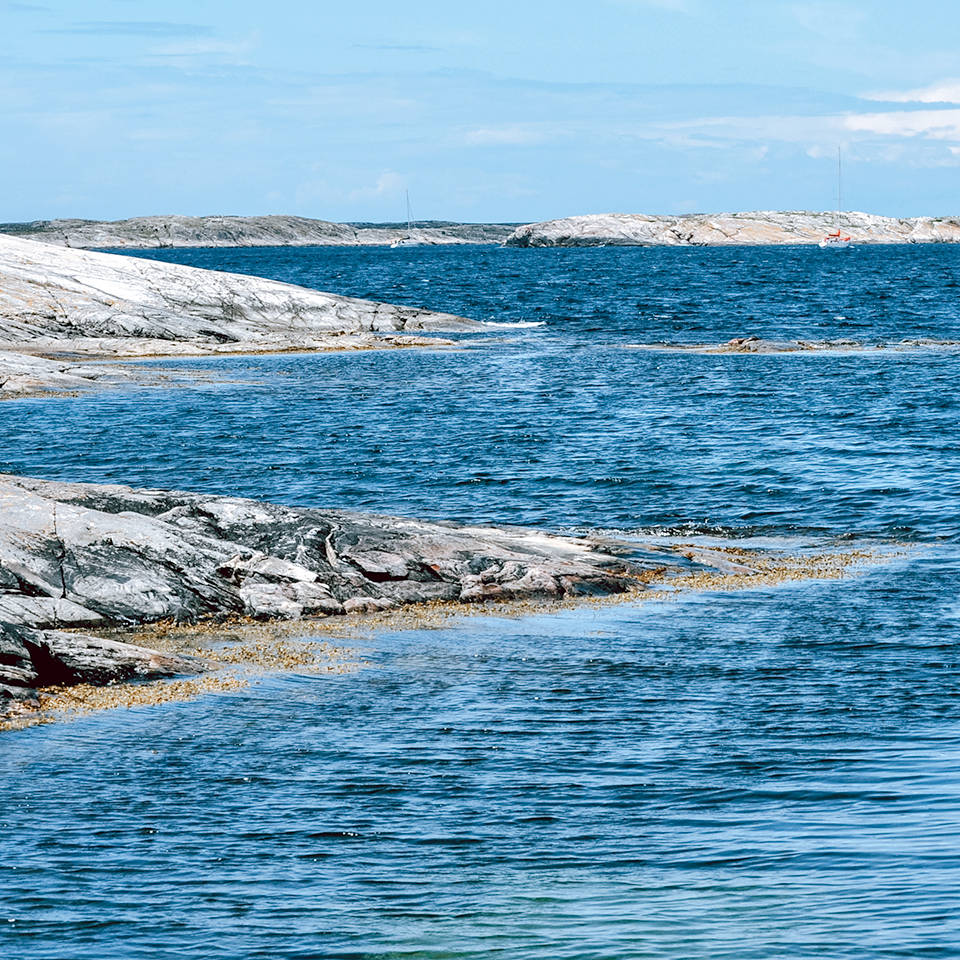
(770, 773)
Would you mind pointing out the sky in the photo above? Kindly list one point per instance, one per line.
(503, 110)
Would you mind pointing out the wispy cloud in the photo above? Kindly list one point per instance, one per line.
(398, 47)
(932, 124)
(132, 28)
(188, 53)
(944, 91)
(837, 22)
(677, 6)
(514, 134)
(387, 183)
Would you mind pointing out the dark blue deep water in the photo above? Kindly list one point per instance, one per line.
(767, 774)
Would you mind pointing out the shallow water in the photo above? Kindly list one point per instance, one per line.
(766, 773)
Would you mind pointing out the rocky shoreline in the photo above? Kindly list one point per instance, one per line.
(61, 308)
(79, 561)
(76, 559)
(271, 231)
(728, 229)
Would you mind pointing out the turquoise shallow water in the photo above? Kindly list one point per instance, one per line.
(774, 773)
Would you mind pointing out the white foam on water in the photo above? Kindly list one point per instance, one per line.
(518, 323)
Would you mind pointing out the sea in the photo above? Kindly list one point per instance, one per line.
(763, 773)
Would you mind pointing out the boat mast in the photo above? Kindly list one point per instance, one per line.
(839, 187)
(409, 215)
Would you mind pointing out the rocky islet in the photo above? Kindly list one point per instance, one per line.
(772, 227)
(262, 231)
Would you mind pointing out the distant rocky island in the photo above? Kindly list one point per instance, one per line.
(594, 230)
(757, 228)
(272, 231)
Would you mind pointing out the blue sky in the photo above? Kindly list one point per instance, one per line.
(510, 110)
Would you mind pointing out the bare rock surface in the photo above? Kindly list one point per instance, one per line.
(31, 659)
(23, 374)
(92, 556)
(61, 305)
(756, 228)
(268, 231)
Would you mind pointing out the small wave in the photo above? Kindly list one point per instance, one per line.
(516, 323)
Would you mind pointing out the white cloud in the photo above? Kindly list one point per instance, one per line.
(235, 52)
(514, 134)
(945, 91)
(387, 183)
(837, 22)
(932, 124)
(677, 6)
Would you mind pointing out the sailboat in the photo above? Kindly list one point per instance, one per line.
(407, 240)
(837, 240)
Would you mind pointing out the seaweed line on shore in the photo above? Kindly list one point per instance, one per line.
(242, 651)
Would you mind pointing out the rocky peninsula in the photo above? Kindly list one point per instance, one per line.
(61, 306)
(269, 231)
(76, 558)
(757, 228)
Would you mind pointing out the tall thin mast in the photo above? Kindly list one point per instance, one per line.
(409, 216)
(839, 187)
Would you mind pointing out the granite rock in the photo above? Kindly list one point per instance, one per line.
(78, 554)
(756, 228)
(268, 231)
(32, 659)
(58, 306)
(87, 555)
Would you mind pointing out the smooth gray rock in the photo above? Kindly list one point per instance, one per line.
(23, 374)
(756, 228)
(68, 658)
(17, 669)
(57, 305)
(269, 231)
(74, 555)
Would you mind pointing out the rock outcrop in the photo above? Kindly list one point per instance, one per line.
(88, 556)
(32, 659)
(22, 374)
(272, 231)
(758, 228)
(59, 304)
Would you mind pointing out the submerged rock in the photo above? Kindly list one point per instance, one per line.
(756, 228)
(760, 345)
